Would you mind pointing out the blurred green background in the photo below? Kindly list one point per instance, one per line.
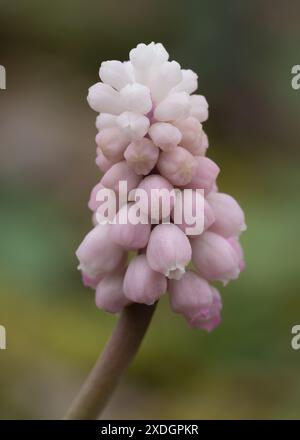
(243, 53)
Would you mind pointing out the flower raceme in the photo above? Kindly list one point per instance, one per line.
(157, 196)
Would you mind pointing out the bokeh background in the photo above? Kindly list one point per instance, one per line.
(243, 53)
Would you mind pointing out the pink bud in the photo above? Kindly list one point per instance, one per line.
(192, 134)
(91, 282)
(209, 216)
(205, 174)
(177, 165)
(230, 219)
(102, 162)
(168, 251)
(159, 199)
(214, 187)
(234, 241)
(191, 296)
(109, 293)
(120, 172)
(97, 254)
(213, 317)
(215, 258)
(93, 203)
(204, 144)
(112, 143)
(192, 213)
(141, 156)
(141, 283)
(128, 234)
(165, 135)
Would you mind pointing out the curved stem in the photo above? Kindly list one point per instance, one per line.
(117, 355)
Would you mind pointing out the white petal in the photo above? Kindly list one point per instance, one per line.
(103, 98)
(134, 125)
(165, 77)
(160, 53)
(116, 74)
(176, 272)
(145, 58)
(129, 69)
(105, 120)
(175, 106)
(199, 107)
(136, 98)
(189, 82)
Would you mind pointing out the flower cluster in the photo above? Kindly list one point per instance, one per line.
(150, 135)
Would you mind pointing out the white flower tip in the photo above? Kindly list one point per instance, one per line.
(134, 125)
(136, 98)
(174, 106)
(87, 270)
(143, 55)
(244, 227)
(175, 272)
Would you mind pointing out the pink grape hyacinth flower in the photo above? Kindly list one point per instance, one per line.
(150, 135)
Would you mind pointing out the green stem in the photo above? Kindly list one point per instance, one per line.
(117, 355)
